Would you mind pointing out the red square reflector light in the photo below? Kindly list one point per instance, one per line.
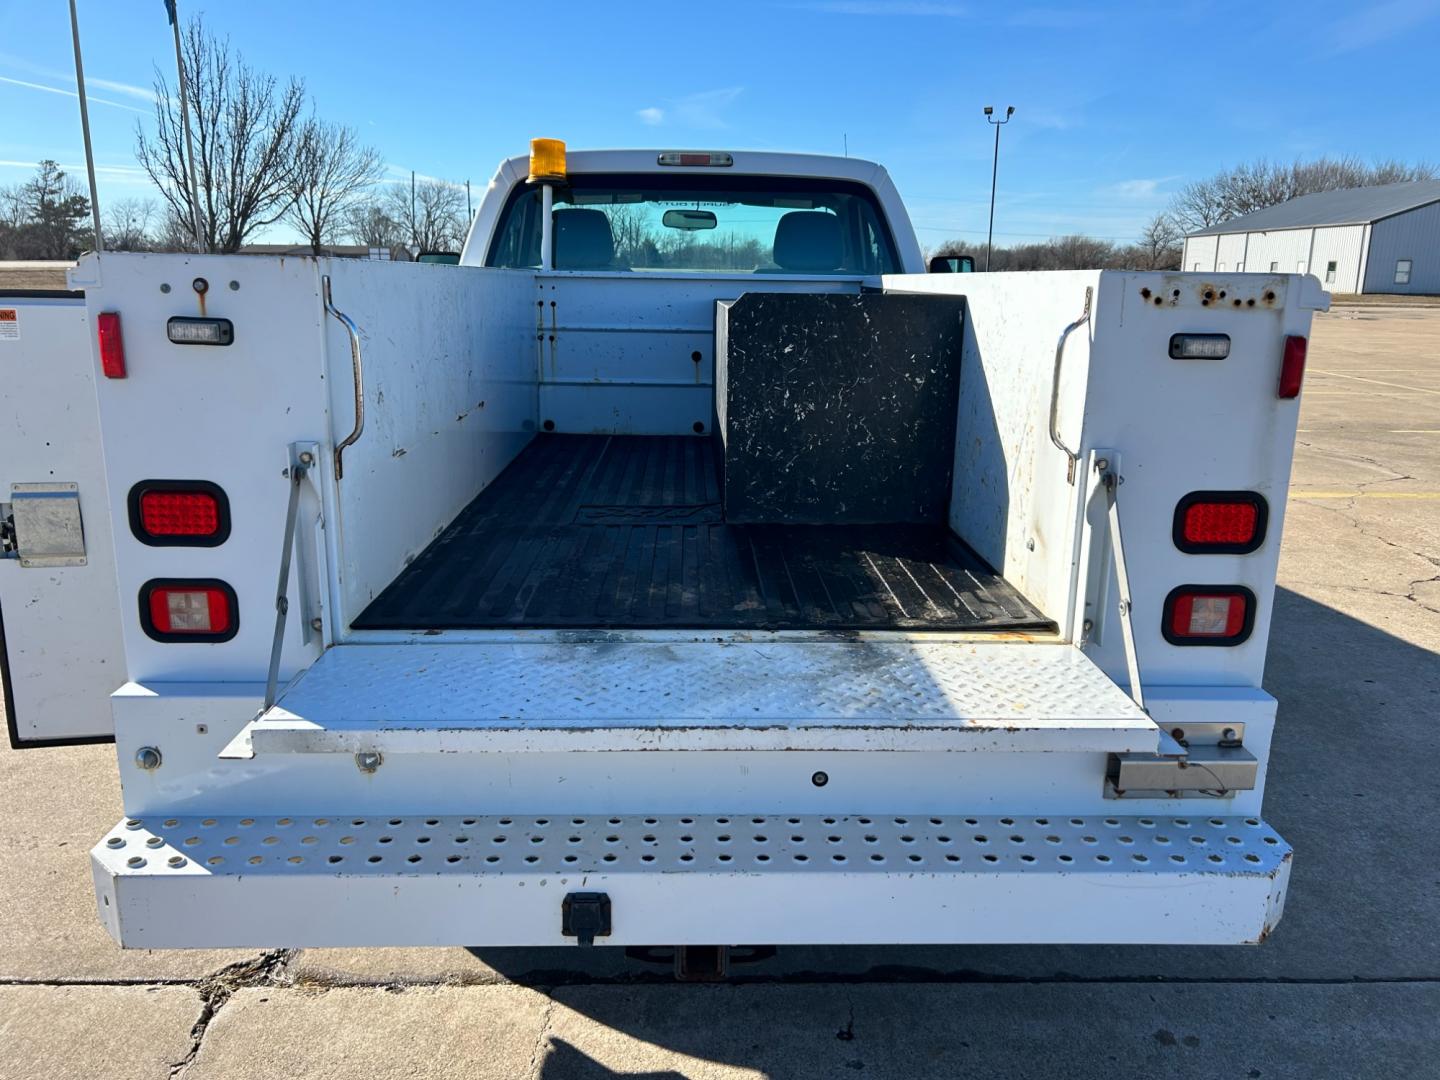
(112, 345)
(1220, 522)
(189, 610)
(1208, 615)
(179, 513)
(1292, 366)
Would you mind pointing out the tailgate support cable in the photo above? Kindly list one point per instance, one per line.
(1112, 482)
(300, 464)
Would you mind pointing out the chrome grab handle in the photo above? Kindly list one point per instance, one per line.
(1071, 455)
(359, 371)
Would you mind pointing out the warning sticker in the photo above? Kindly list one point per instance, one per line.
(9, 324)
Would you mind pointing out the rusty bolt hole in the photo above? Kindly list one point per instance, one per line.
(1145, 292)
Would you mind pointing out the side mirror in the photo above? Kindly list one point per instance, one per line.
(952, 264)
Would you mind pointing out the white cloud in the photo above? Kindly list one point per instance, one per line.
(703, 110)
(91, 98)
(1136, 189)
(1141, 188)
(402, 174)
(144, 93)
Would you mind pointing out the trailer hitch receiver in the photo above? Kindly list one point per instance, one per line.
(585, 916)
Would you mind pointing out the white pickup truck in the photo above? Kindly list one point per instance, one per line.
(686, 567)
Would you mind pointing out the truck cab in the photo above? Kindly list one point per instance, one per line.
(687, 566)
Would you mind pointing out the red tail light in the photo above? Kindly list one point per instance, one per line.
(189, 610)
(1208, 615)
(112, 345)
(1220, 522)
(1292, 366)
(174, 513)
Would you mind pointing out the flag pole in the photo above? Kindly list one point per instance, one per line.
(185, 121)
(85, 127)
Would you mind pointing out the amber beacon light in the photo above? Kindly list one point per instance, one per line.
(547, 160)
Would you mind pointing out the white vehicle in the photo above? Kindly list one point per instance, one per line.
(687, 567)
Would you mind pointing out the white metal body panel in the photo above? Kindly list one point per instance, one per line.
(222, 414)
(1413, 235)
(1192, 425)
(513, 171)
(689, 879)
(703, 696)
(450, 400)
(61, 624)
(1009, 497)
(617, 351)
(194, 723)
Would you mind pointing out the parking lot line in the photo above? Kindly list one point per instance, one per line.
(1377, 382)
(1416, 496)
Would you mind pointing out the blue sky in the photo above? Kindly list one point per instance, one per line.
(1117, 105)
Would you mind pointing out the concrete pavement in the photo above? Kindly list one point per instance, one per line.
(1349, 985)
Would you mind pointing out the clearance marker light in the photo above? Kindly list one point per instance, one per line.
(1292, 367)
(112, 345)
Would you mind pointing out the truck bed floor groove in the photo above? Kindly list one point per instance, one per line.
(627, 532)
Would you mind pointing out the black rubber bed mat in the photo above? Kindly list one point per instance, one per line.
(627, 532)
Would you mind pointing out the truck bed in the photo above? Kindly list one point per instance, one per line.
(627, 532)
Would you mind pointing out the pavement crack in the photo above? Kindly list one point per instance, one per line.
(216, 989)
(537, 1056)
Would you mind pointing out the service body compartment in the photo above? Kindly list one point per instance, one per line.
(60, 643)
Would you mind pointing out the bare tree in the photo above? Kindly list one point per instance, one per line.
(368, 222)
(128, 225)
(1198, 206)
(1246, 188)
(246, 129)
(431, 215)
(1161, 245)
(333, 171)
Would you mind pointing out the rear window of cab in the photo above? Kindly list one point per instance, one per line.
(729, 225)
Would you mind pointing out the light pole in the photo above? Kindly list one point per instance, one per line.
(994, 171)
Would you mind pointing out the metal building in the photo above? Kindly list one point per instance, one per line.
(1383, 239)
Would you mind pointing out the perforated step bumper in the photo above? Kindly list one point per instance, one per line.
(894, 878)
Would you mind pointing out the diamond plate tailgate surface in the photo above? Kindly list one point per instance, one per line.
(510, 697)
